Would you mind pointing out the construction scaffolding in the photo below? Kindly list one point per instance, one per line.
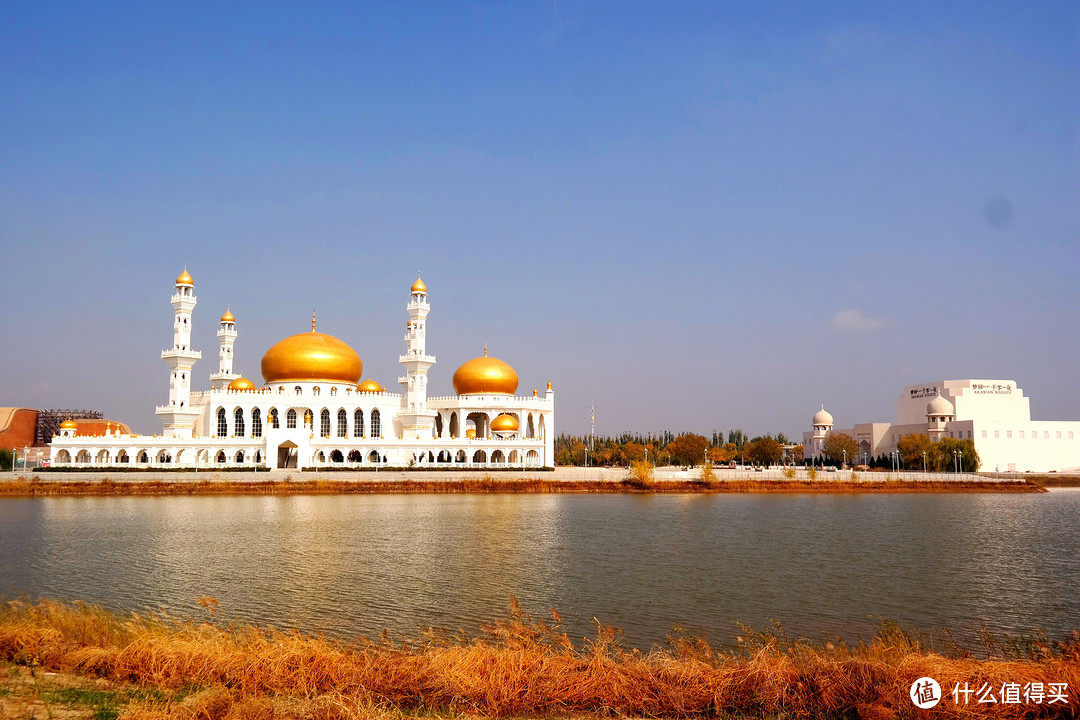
(48, 422)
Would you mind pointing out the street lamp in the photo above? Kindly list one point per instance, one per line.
(845, 460)
(924, 463)
(961, 461)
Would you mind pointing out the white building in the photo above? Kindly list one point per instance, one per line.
(313, 410)
(993, 414)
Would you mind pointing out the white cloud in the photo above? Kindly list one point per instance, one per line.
(854, 321)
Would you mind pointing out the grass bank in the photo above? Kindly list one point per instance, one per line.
(157, 666)
(37, 486)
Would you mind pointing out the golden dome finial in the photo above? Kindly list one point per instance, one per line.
(313, 321)
(485, 349)
(185, 277)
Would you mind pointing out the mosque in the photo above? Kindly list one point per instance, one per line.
(313, 410)
(994, 414)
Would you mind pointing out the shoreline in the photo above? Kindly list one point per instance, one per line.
(153, 665)
(604, 481)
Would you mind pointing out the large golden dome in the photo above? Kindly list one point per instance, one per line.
(185, 278)
(312, 356)
(485, 376)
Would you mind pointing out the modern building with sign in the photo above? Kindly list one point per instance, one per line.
(313, 409)
(994, 414)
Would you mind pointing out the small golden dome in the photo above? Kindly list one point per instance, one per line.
(228, 316)
(241, 383)
(312, 356)
(470, 432)
(504, 423)
(68, 425)
(185, 278)
(369, 385)
(419, 286)
(485, 376)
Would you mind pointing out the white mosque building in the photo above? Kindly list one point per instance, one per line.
(314, 410)
(994, 414)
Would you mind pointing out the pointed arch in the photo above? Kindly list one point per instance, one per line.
(376, 423)
(238, 422)
(358, 423)
(222, 423)
(342, 423)
(324, 423)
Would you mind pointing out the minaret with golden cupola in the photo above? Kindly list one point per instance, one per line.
(226, 337)
(178, 417)
(416, 419)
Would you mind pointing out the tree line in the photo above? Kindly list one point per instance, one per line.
(669, 448)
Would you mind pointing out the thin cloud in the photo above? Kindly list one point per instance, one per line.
(854, 321)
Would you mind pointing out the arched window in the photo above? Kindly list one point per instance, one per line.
(258, 457)
(358, 423)
(221, 456)
(333, 391)
(238, 423)
(355, 456)
(290, 418)
(316, 391)
(272, 418)
(239, 457)
(256, 422)
(296, 390)
(336, 456)
(324, 423)
(376, 424)
(222, 423)
(342, 423)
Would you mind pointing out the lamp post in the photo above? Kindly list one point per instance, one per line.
(924, 463)
(844, 463)
(961, 460)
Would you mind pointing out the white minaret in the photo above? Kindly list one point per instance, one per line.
(416, 419)
(178, 417)
(226, 337)
(823, 424)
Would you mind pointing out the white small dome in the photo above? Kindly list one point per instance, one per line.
(939, 406)
(821, 417)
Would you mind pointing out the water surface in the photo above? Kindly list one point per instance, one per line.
(359, 564)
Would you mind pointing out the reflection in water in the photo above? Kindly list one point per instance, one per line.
(349, 565)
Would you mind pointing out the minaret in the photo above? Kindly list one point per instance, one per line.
(416, 419)
(226, 337)
(178, 417)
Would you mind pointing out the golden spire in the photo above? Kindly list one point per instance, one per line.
(312, 321)
(485, 349)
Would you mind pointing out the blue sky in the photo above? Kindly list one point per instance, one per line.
(694, 216)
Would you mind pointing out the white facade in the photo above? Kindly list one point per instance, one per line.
(323, 423)
(994, 414)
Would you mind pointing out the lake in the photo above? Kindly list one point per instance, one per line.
(358, 564)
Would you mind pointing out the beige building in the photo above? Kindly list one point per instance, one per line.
(994, 414)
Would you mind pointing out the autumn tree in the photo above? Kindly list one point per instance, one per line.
(912, 447)
(969, 461)
(764, 451)
(723, 454)
(633, 452)
(835, 445)
(687, 449)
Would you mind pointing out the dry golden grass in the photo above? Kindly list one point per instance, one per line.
(639, 479)
(519, 666)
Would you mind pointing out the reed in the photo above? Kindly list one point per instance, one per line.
(518, 666)
(640, 479)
